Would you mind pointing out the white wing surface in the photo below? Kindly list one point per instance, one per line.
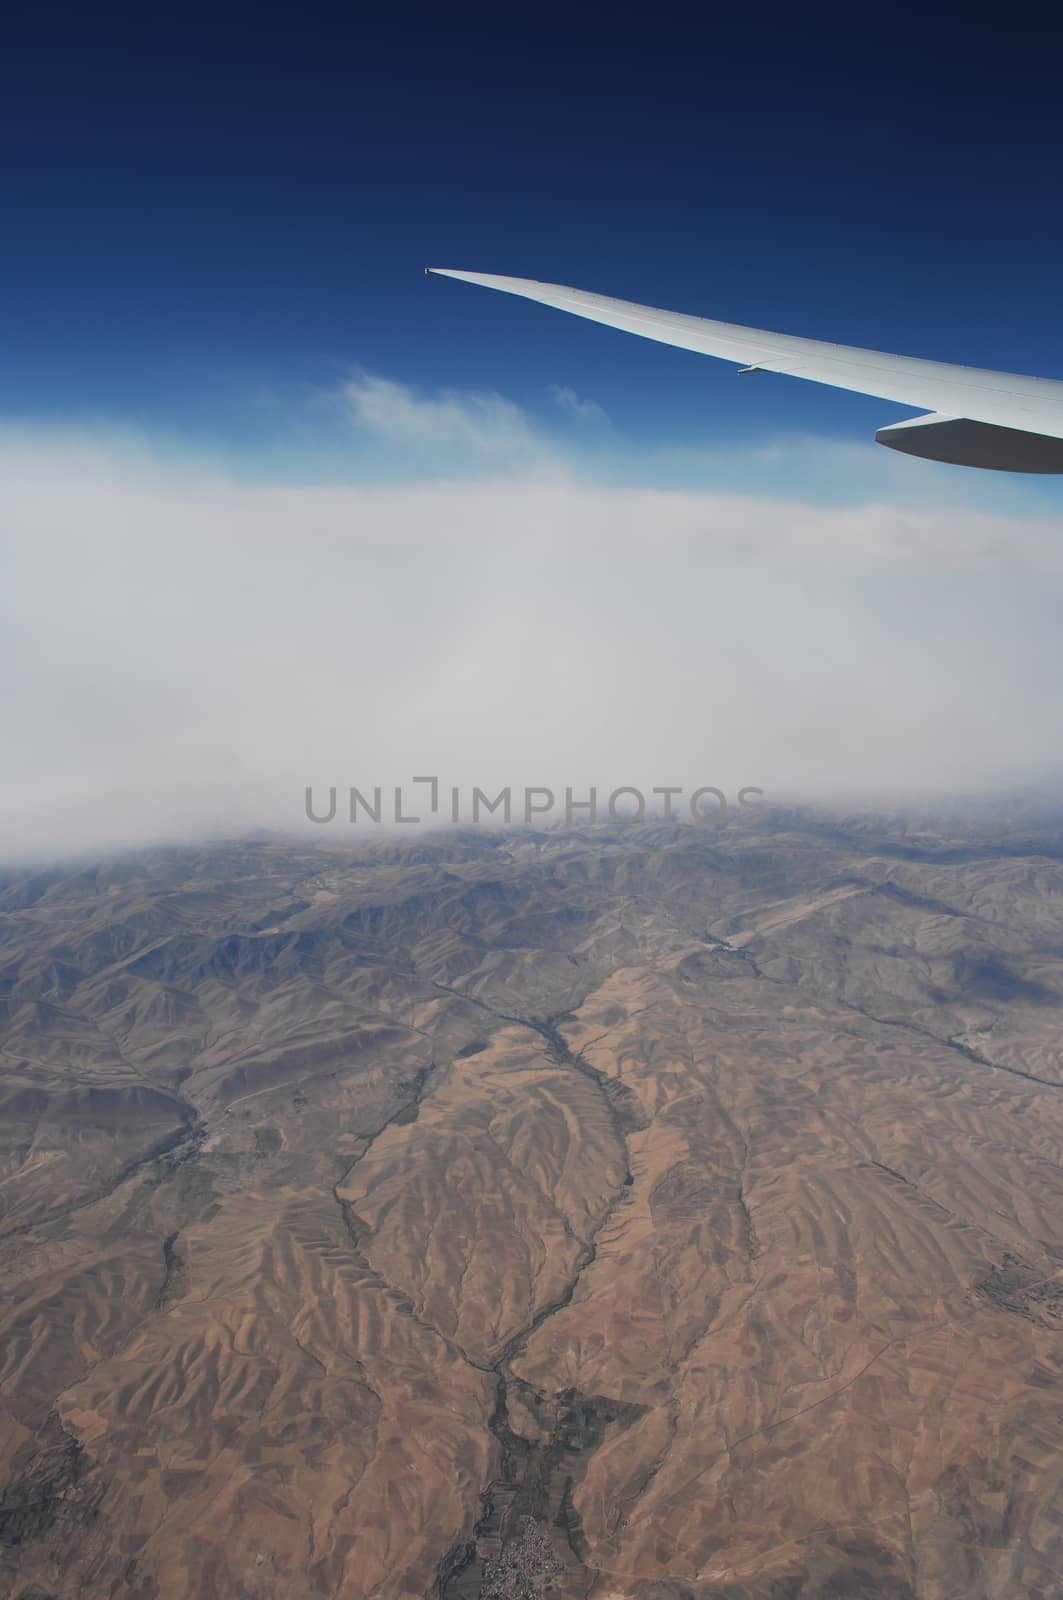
(976, 417)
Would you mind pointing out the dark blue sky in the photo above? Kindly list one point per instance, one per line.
(209, 213)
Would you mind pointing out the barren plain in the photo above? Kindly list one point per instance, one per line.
(693, 1192)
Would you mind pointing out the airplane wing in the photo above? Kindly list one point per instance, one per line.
(973, 417)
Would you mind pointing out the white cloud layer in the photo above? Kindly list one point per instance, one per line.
(184, 652)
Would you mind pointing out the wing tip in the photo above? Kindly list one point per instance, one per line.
(490, 279)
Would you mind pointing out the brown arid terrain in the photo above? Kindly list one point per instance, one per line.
(645, 1213)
